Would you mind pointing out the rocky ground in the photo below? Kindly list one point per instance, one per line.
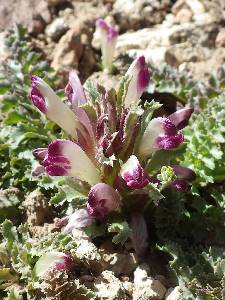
(186, 34)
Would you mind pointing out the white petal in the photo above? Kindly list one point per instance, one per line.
(57, 111)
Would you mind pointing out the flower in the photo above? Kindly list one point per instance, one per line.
(160, 133)
(139, 79)
(108, 37)
(103, 199)
(79, 219)
(133, 173)
(46, 100)
(54, 259)
(65, 158)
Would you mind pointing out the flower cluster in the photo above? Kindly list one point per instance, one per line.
(111, 140)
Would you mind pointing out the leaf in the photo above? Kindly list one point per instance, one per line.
(9, 232)
(122, 229)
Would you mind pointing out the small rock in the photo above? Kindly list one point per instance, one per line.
(147, 288)
(220, 39)
(196, 6)
(109, 287)
(37, 208)
(56, 29)
(68, 51)
(173, 294)
(150, 289)
(141, 273)
(37, 25)
(184, 15)
(120, 263)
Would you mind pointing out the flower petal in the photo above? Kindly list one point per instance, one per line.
(75, 91)
(133, 173)
(66, 158)
(103, 199)
(139, 79)
(46, 100)
(160, 133)
(181, 117)
(79, 219)
(53, 259)
(184, 173)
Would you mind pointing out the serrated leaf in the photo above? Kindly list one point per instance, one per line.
(123, 231)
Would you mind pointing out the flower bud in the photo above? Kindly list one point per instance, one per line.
(53, 259)
(108, 37)
(133, 174)
(79, 219)
(139, 79)
(103, 199)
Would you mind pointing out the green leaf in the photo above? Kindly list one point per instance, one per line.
(122, 229)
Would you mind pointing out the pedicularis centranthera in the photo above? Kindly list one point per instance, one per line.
(111, 140)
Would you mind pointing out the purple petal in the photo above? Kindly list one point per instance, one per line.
(40, 153)
(110, 31)
(75, 91)
(170, 142)
(133, 174)
(184, 173)
(36, 97)
(139, 80)
(79, 219)
(181, 117)
(64, 264)
(160, 133)
(103, 199)
(65, 158)
(181, 185)
(139, 234)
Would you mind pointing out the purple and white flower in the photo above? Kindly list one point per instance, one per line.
(46, 100)
(139, 79)
(65, 158)
(53, 259)
(108, 37)
(133, 174)
(103, 199)
(79, 219)
(160, 133)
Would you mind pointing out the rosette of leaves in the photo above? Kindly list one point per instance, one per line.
(205, 138)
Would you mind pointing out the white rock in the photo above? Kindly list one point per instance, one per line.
(56, 28)
(141, 273)
(173, 294)
(196, 6)
(159, 36)
(109, 287)
(150, 289)
(147, 288)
